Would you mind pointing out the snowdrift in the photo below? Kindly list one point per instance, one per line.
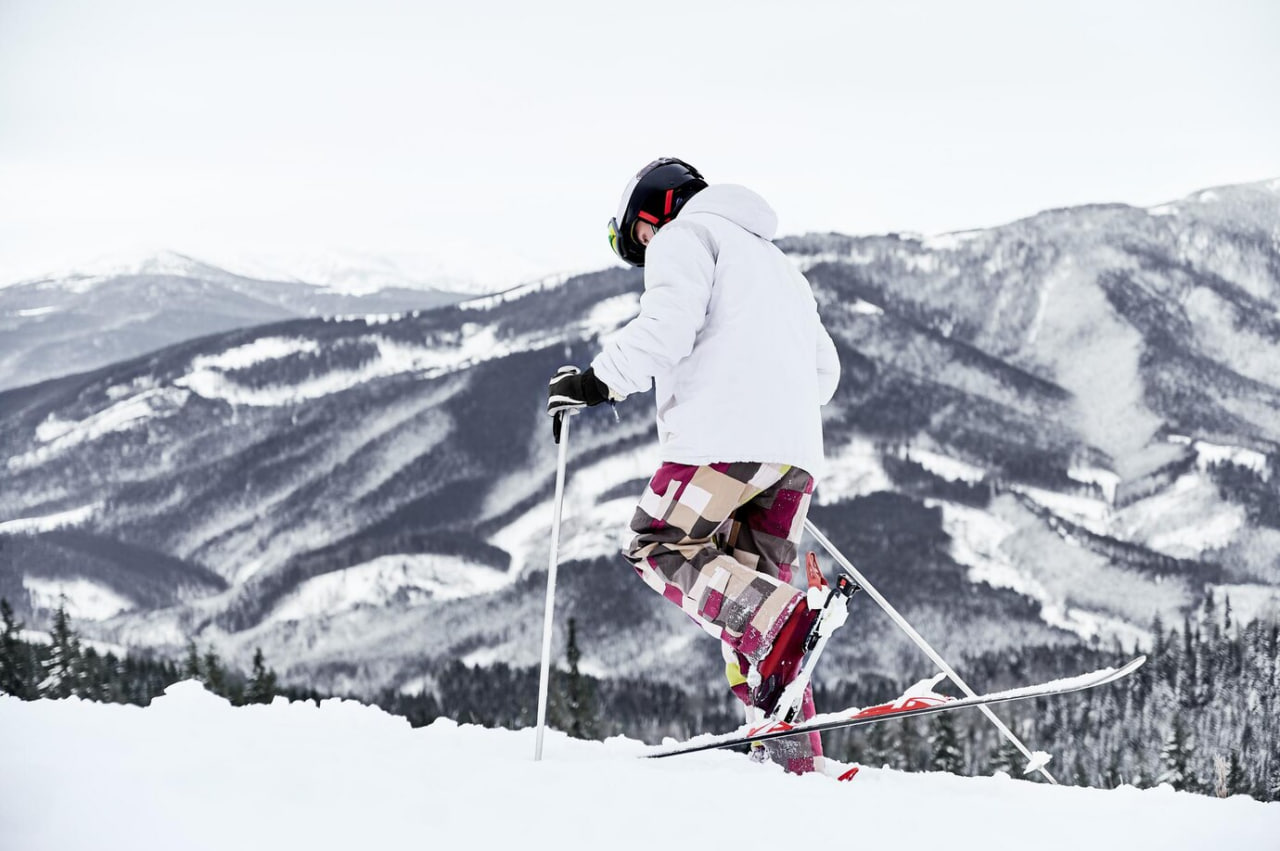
(193, 772)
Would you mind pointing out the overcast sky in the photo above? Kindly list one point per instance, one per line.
(491, 140)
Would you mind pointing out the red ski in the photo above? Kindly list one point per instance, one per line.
(905, 707)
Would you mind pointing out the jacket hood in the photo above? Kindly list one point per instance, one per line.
(739, 205)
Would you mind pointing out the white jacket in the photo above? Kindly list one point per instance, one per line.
(729, 332)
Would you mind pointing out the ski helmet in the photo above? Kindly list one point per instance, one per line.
(655, 195)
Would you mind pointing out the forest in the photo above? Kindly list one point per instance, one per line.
(1201, 715)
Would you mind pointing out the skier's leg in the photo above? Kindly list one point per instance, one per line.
(675, 552)
(765, 534)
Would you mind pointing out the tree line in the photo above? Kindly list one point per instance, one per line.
(66, 666)
(1201, 715)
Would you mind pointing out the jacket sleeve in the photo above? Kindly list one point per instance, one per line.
(678, 273)
(828, 366)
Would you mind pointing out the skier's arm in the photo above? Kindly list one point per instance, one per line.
(677, 288)
(828, 366)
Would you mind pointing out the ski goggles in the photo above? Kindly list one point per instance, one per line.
(614, 237)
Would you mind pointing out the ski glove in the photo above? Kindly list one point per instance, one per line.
(570, 390)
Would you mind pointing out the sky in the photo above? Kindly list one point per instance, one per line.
(489, 141)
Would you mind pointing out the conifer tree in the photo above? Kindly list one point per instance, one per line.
(879, 748)
(910, 745)
(214, 675)
(1176, 757)
(262, 685)
(15, 678)
(62, 670)
(191, 665)
(1113, 777)
(578, 697)
(1006, 758)
(1237, 781)
(945, 754)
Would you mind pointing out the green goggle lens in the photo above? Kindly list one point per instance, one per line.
(613, 237)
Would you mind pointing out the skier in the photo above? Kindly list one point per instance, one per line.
(729, 333)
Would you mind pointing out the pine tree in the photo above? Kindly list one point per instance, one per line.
(1176, 758)
(910, 745)
(1237, 781)
(214, 675)
(262, 685)
(1006, 758)
(946, 754)
(191, 665)
(62, 671)
(1113, 777)
(879, 748)
(14, 674)
(577, 696)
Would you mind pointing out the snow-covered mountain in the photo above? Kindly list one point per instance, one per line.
(149, 779)
(1050, 431)
(76, 321)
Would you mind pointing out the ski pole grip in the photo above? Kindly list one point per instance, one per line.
(557, 422)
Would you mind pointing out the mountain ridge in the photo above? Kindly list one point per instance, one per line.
(1046, 432)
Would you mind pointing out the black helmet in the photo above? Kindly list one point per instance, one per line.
(655, 195)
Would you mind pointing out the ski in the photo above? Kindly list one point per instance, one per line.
(907, 706)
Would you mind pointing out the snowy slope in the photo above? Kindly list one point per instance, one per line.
(192, 772)
(79, 320)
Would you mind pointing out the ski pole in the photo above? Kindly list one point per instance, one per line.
(545, 675)
(1032, 760)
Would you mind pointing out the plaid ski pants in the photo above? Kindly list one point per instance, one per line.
(719, 541)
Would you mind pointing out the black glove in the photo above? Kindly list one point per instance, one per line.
(570, 390)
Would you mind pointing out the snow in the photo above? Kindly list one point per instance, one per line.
(946, 467)
(350, 272)
(49, 522)
(470, 345)
(1209, 534)
(83, 599)
(805, 262)
(1249, 602)
(590, 528)
(979, 542)
(853, 470)
(515, 293)
(950, 241)
(1106, 480)
(1183, 520)
(613, 313)
(343, 776)
(83, 274)
(378, 582)
(1092, 514)
(1217, 453)
(128, 413)
(36, 311)
(251, 354)
(337, 271)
